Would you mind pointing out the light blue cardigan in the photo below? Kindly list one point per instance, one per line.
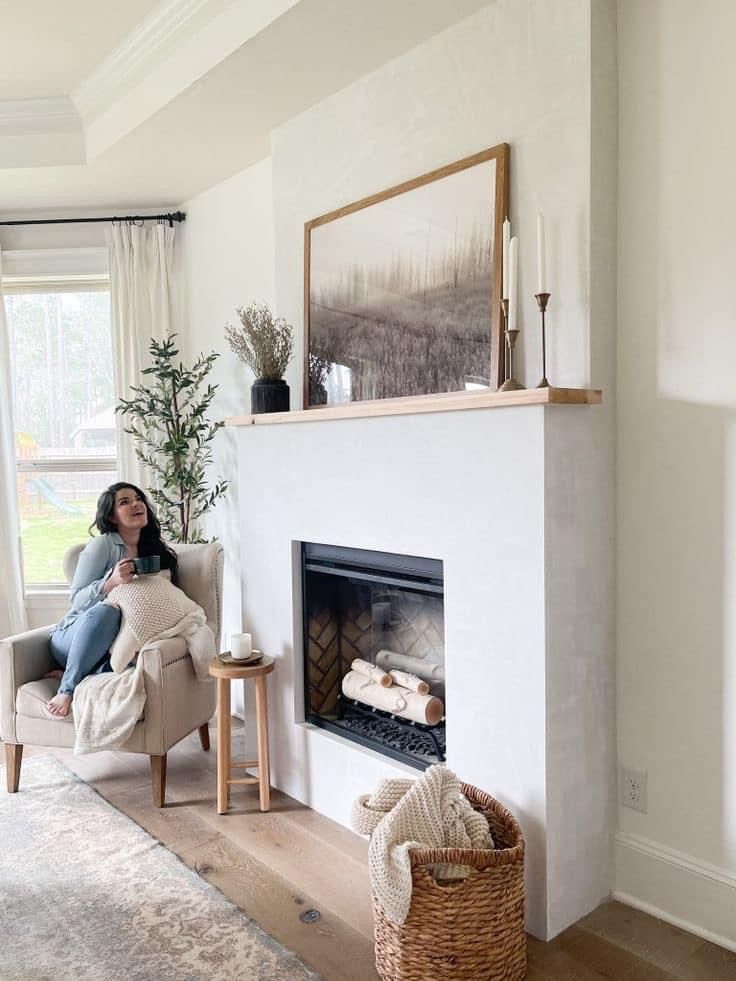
(96, 562)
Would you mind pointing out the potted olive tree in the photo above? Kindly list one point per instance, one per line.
(167, 416)
(265, 344)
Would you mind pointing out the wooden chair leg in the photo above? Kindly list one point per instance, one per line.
(158, 779)
(13, 758)
(204, 736)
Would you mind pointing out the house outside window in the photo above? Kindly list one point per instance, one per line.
(62, 371)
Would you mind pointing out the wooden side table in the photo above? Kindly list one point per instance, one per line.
(225, 673)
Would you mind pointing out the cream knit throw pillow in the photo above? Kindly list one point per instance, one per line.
(430, 812)
(154, 608)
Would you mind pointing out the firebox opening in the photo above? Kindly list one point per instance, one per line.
(374, 649)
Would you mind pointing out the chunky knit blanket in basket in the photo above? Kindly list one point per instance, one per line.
(430, 812)
(107, 706)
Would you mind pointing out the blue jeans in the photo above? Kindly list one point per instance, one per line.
(81, 648)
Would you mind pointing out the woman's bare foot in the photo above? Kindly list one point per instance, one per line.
(56, 673)
(59, 705)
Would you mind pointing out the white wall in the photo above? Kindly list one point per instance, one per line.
(226, 261)
(580, 545)
(518, 72)
(677, 458)
(426, 108)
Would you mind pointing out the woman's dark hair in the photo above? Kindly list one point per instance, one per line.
(150, 542)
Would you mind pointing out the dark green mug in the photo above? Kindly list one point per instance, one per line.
(146, 565)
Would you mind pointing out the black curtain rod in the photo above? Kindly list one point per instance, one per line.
(171, 218)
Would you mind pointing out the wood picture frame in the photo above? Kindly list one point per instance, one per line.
(462, 190)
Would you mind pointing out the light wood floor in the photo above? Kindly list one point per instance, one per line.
(279, 866)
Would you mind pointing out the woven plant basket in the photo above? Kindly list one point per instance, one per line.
(471, 929)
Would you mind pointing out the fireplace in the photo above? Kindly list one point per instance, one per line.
(374, 650)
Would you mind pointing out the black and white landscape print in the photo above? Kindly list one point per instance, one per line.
(400, 292)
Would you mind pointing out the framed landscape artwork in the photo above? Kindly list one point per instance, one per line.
(403, 288)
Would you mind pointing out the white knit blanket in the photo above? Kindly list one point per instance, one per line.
(430, 812)
(107, 706)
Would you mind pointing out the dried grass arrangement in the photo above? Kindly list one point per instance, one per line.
(264, 342)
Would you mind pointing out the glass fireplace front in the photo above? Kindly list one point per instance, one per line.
(374, 649)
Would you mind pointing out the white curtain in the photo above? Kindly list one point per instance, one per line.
(142, 296)
(12, 602)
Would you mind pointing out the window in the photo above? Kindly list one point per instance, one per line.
(61, 363)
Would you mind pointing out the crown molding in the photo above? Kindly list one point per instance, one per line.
(172, 49)
(40, 133)
(139, 52)
(36, 117)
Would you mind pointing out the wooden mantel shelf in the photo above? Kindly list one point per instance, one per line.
(415, 405)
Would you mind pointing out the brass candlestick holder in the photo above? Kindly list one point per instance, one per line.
(511, 384)
(505, 309)
(542, 301)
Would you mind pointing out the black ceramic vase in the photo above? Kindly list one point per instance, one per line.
(267, 395)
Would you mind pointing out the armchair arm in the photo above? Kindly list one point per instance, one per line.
(157, 659)
(176, 702)
(23, 658)
(163, 653)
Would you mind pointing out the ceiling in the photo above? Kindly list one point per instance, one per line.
(186, 140)
(48, 46)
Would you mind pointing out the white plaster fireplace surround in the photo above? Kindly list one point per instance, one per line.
(517, 501)
(507, 499)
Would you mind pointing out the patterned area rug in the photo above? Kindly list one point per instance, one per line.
(87, 894)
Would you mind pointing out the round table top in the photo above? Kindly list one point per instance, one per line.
(219, 669)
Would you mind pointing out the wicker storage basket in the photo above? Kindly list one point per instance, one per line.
(472, 929)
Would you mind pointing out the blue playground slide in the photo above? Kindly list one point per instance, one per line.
(45, 488)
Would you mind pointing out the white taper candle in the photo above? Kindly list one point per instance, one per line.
(541, 257)
(506, 240)
(513, 277)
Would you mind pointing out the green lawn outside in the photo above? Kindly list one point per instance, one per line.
(47, 536)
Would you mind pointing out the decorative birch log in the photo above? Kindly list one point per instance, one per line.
(425, 669)
(371, 671)
(410, 681)
(399, 701)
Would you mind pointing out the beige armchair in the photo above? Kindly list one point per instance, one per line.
(176, 702)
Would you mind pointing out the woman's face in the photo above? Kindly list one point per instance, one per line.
(129, 512)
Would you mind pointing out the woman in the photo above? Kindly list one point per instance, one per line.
(81, 641)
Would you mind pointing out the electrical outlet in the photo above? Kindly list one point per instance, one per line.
(634, 789)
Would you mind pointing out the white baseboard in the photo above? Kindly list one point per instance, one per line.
(678, 888)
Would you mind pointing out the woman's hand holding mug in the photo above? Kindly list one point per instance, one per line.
(122, 573)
